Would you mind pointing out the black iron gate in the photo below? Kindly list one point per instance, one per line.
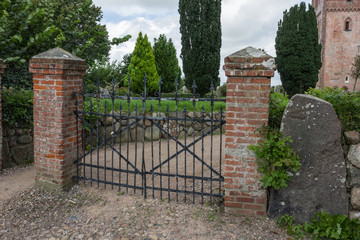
(147, 144)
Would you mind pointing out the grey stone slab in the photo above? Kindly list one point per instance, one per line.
(320, 182)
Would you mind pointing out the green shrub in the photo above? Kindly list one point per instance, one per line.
(17, 76)
(17, 107)
(104, 72)
(275, 158)
(346, 105)
(323, 226)
(223, 90)
(277, 105)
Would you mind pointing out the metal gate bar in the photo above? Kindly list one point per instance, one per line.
(160, 175)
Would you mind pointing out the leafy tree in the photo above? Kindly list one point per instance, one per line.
(26, 29)
(104, 72)
(125, 63)
(31, 27)
(355, 70)
(298, 51)
(167, 64)
(142, 62)
(200, 29)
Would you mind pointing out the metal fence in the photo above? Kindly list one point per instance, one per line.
(148, 144)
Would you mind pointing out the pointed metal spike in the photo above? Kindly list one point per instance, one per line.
(176, 83)
(145, 78)
(194, 88)
(212, 86)
(194, 85)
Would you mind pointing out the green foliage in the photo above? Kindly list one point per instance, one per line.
(142, 62)
(346, 105)
(167, 64)
(124, 66)
(104, 72)
(17, 107)
(27, 29)
(83, 35)
(275, 158)
(200, 29)
(355, 71)
(223, 90)
(323, 226)
(297, 49)
(17, 76)
(277, 105)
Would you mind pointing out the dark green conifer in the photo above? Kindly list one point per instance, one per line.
(298, 52)
(200, 29)
(167, 64)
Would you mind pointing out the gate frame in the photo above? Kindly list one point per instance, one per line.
(142, 171)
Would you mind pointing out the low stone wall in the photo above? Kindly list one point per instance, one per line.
(194, 124)
(18, 146)
(351, 146)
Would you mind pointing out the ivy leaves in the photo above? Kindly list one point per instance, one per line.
(275, 158)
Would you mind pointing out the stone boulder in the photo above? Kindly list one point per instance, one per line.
(353, 178)
(320, 182)
(352, 137)
(354, 155)
(355, 198)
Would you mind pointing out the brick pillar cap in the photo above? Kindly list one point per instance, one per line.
(250, 58)
(57, 53)
(250, 52)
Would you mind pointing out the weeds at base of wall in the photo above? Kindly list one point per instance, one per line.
(323, 226)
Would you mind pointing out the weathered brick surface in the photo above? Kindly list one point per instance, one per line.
(2, 68)
(340, 46)
(249, 72)
(56, 78)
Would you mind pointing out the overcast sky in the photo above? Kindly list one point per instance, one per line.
(244, 23)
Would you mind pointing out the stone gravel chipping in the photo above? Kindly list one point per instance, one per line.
(88, 213)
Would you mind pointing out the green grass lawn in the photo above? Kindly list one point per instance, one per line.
(164, 104)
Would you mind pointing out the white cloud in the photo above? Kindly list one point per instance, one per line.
(244, 23)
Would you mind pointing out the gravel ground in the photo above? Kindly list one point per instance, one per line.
(85, 212)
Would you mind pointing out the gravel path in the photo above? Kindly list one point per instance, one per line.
(85, 212)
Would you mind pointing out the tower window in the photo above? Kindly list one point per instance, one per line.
(348, 24)
(349, 0)
(347, 79)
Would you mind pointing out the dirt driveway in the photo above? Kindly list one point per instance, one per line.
(86, 212)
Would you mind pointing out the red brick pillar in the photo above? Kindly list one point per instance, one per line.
(57, 75)
(249, 72)
(2, 69)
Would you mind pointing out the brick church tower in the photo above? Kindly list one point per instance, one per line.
(339, 34)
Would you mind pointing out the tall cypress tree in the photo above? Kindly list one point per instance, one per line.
(298, 52)
(167, 64)
(200, 29)
(142, 62)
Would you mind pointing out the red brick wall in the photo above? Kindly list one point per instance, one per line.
(55, 82)
(2, 68)
(339, 46)
(247, 107)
